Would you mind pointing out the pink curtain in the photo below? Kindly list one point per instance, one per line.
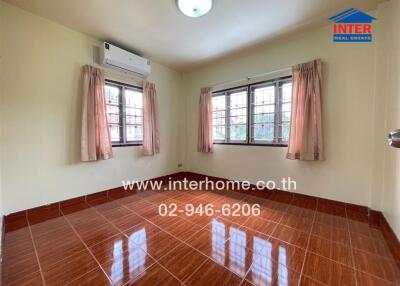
(305, 140)
(205, 140)
(151, 135)
(95, 140)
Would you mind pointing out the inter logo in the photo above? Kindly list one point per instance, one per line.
(352, 25)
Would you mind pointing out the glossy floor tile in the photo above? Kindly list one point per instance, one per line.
(120, 239)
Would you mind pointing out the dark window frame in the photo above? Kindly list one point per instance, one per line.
(277, 82)
(122, 112)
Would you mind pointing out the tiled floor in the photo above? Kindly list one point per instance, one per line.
(121, 240)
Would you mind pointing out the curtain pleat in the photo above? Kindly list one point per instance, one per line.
(151, 135)
(305, 139)
(95, 140)
(205, 140)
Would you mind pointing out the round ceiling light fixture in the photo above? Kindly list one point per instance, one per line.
(194, 8)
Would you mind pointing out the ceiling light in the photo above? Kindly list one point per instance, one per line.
(194, 8)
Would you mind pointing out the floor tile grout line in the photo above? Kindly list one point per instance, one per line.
(308, 245)
(268, 237)
(34, 248)
(66, 257)
(351, 247)
(195, 248)
(87, 248)
(156, 260)
(307, 250)
(316, 281)
(197, 268)
(288, 205)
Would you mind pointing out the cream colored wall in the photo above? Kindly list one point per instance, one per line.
(387, 159)
(347, 107)
(40, 115)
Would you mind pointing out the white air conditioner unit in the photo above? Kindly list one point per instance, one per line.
(117, 58)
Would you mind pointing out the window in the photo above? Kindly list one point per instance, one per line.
(124, 113)
(257, 114)
(230, 116)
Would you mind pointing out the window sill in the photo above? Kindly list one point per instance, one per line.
(251, 144)
(127, 145)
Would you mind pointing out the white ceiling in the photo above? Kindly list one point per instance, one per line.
(156, 29)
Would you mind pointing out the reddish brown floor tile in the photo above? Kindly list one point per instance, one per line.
(15, 217)
(164, 221)
(182, 261)
(45, 213)
(156, 243)
(182, 230)
(270, 214)
(69, 269)
(127, 222)
(211, 273)
(201, 221)
(50, 228)
(111, 249)
(301, 212)
(302, 223)
(20, 268)
(19, 258)
(331, 207)
(331, 220)
(369, 244)
(306, 281)
(304, 201)
(113, 210)
(145, 227)
(291, 236)
(260, 225)
(94, 277)
(73, 208)
(100, 233)
(286, 254)
(57, 248)
(16, 224)
(155, 276)
(265, 271)
(217, 223)
(338, 252)
(364, 229)
(126, 265)
(376, 265)
(34, 279)
(253, 240)
(18, 242)
(327, 271)
(336, 234)
(129, 239)
(364, 279)
(211, 243)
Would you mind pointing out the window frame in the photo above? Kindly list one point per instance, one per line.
(227, 124)
(277, 82)
(122, 111)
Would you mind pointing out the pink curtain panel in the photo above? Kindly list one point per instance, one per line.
(205, 140)
(151, 134)
(305, 139)
(95, 140)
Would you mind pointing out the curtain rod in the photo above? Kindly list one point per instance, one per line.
(250, 77)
